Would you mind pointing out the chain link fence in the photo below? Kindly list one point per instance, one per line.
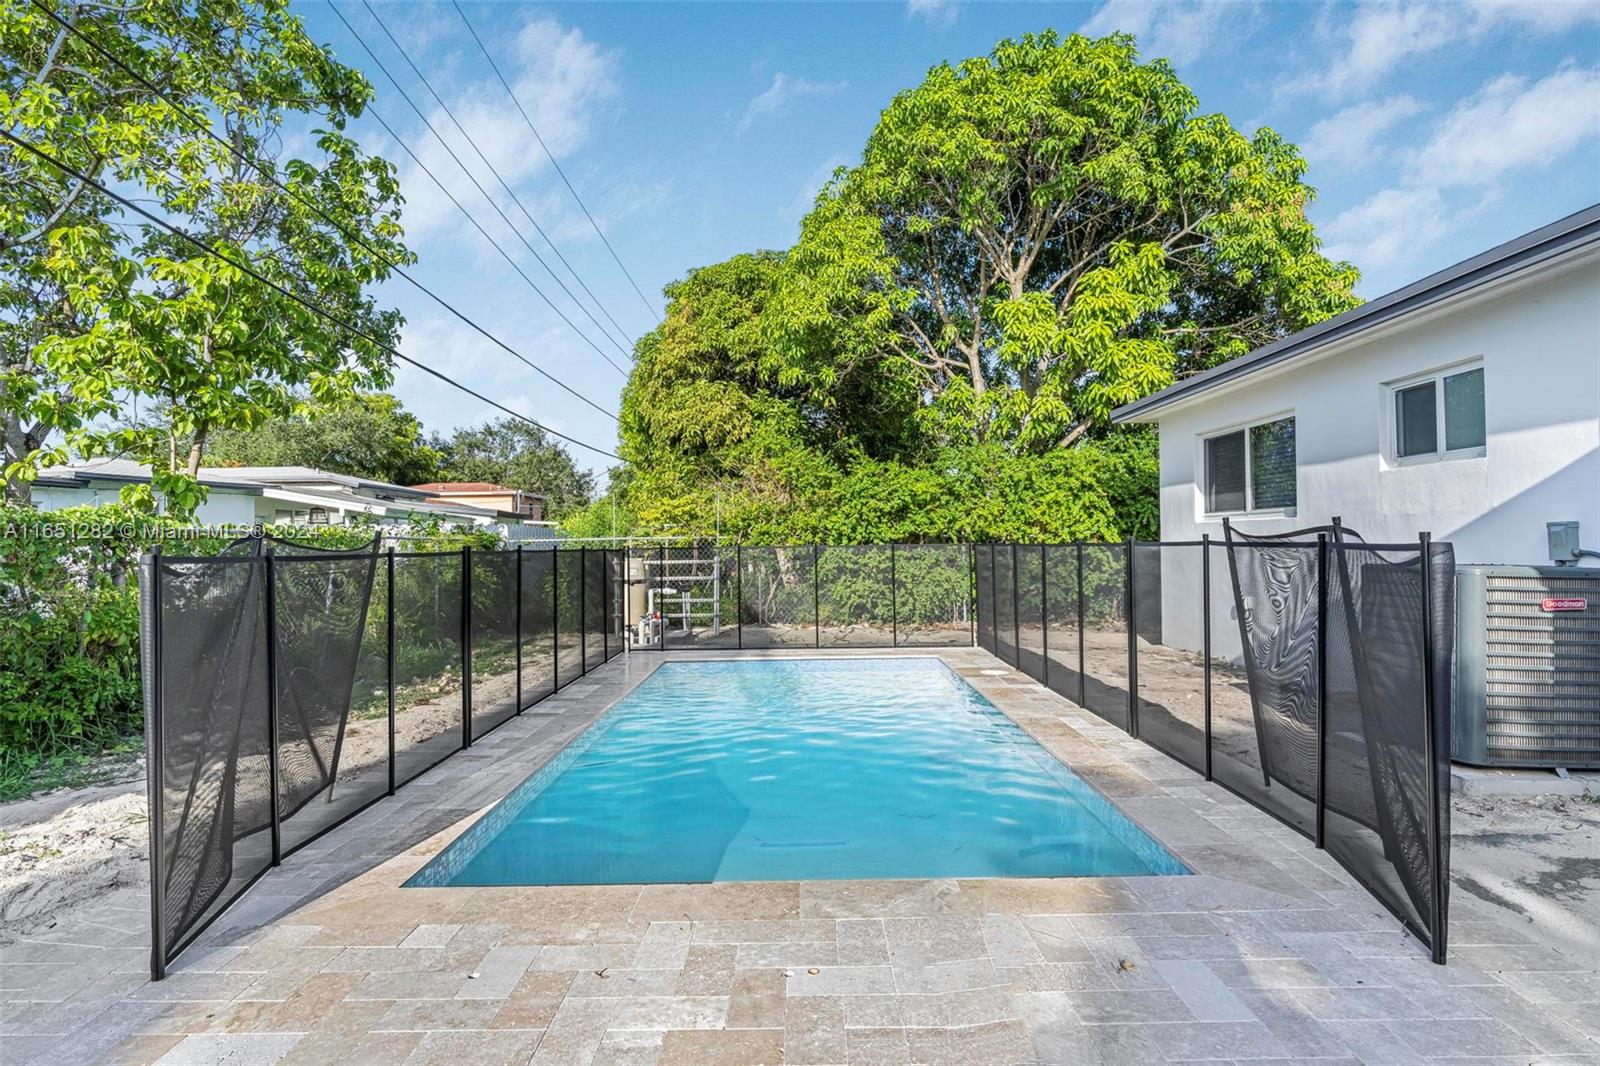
(1309, 673)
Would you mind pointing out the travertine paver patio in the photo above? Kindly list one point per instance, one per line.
(1270, 952)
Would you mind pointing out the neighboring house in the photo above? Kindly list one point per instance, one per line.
(1466, 404)
(529, 506)
(246, 495)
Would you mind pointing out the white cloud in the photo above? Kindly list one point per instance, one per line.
(934, 12)
(1511, 125)
(1382, 36)
(1180, 32)
(562, 79)
(783, 91)
(1387, 227)
(1351, 138)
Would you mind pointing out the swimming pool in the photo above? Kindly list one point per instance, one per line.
(799, 769)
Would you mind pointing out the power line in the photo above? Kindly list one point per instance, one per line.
(245, 268)
(390, 261)
(423, 78)
(551, 156)
(475, 184)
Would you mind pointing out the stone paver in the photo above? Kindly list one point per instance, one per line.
(1268, 953)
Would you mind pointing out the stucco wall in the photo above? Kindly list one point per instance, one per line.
(1540, 346)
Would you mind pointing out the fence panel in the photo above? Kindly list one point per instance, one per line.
(778, 597)
(1005, 603)
(427, 656)
(1388, 804)
(494, 639)
(1105, 632)
(985, 592)
(538, 624)
(1030, 578)
(1064, 671)
(569, 616)
(855, 596)
(594, 608)
(330, 625)
(1269, 755)
(211, 800)
(617, 603)
(932, 594)
(1169, 605)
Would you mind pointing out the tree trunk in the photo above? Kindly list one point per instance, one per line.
(18, 492)
(197, 447)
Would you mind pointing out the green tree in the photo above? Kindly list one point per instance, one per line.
(517, 454)
(368, 435)
(1045, 233)
(102, 306)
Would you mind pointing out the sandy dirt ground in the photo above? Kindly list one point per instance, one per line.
(1534, 858)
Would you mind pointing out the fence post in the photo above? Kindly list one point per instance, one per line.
(661, 585)
(738, 593)
(605, 613)
(816, 594)
(389, 646)
(1322, 690)
(1044, 613)
(1016, 609)
(155, 767)
(1083, 686)
(519, 627)
(1205, 636)
(1133, 649)
(555, 620)
(466, 646)
(583, 611)
(272, 706)
(972, 591)
(894, 603)
(1436, 916)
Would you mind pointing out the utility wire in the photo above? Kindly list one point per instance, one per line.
(475, 184)
(394, 264)
(245, 268)
(551, 156)
(426, 84)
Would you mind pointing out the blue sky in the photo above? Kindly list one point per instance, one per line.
(697, 131)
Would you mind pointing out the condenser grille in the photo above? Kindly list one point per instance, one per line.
(1542, 670)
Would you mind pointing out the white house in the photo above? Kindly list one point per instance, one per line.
(1466, 404)
(246, 495)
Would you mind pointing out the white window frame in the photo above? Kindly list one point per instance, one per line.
(1391, 416)
(1204, 481)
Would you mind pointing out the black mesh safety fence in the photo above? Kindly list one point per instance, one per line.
(1168, 610)
(287, 688)
(616, 602)
(569, 615)
(1106, 662)
(493, 640)
(856, 596)
(699, 597)
(778, 596)
(429, 675)
(932, 594)
(1062, 611)
(1309, 673)
(1005, 603)
(984, 596)
(594, 607)
(332, 709)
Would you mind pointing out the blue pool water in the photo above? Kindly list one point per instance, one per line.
(798, 769)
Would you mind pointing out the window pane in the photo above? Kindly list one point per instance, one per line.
(1272, 464)
(1417, 421)
(1225, 473)
(1463, 410)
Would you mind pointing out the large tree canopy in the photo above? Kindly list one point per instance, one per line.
(368, 435)
(1048, 232)
(511, 452)
(102, 306)
(1030, 239)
